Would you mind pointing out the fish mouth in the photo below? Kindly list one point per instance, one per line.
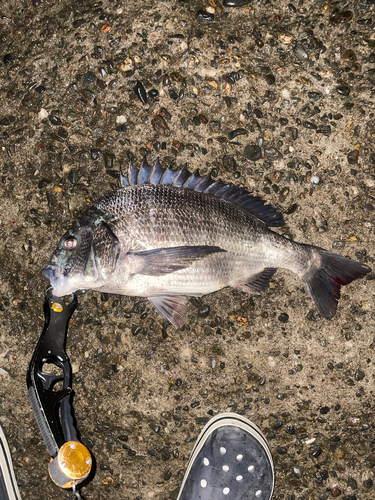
(58, 279)
(51, 272)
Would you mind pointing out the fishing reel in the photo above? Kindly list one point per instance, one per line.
(49, 382)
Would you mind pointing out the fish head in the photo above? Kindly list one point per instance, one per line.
(85, 258)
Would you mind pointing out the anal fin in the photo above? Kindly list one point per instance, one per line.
(171, 307)
(259, 282)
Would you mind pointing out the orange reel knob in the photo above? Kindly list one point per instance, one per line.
(71, 465)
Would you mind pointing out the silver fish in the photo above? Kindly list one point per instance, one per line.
(167, 234)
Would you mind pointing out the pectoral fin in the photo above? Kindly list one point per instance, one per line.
(173, 308)
(168, 260)
(259, 282)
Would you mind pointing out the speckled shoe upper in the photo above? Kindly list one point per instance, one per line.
(230, 461)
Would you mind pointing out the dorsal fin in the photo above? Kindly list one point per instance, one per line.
(182, 178)
(157, 173)
(144, 172)
(133, 174)
(123, 178)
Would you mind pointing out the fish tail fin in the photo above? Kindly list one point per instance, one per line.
(328, 272)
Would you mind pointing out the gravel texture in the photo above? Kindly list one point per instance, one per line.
(277, 96)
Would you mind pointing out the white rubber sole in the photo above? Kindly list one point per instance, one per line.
(8, 484)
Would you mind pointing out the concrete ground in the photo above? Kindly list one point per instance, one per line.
(297, 80)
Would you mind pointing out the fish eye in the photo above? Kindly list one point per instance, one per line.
(70, 243)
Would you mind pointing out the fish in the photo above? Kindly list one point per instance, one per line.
(169, 234)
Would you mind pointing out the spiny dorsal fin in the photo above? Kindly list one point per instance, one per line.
(133, 174)
(182, 178)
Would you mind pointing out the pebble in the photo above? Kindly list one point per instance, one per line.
(309, 125)
(160, 125)
(286, 38)
(284, 194)
(270, 79)
(237, 132)
(154, 427)
(113, 84)
(284, 318)
(103, 72)
(73, 176)
(229, 163)
(359, 375)
(95, 154)
(55, 120)
(100, 142)
(235, 3)
(252, 152)
(204, 311)
(292, 132)
(316, 452)
(336, 492)
(314, 96)
(300, 53)
(173, 94)
(98, 50)
(353, 157)
(324, 130)
(298, 471)
(40, 89)
(368, 483)
(282, 450)
(352, 483)
(140, 92)
(342, 17)
(205, 16)
(153, 93)
(343, 90)
(89, 78)
(349, 55)
(109, 159)
(272, 153)
(5, 122)
(369, 207)
(8, 58)
(78, 22)
(203, 119)
(63, 133)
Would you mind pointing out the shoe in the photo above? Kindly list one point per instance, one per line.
(8, 484)
(231, 460)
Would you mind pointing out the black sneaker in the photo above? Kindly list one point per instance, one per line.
(231, 460)
(8, 484)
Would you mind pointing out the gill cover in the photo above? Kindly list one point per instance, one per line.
(106, 250)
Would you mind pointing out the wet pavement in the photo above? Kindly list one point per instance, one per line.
(277, 96)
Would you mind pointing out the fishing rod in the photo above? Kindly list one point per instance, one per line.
(51, 395)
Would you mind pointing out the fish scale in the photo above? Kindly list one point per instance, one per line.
(169, 234)
(160, 215)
